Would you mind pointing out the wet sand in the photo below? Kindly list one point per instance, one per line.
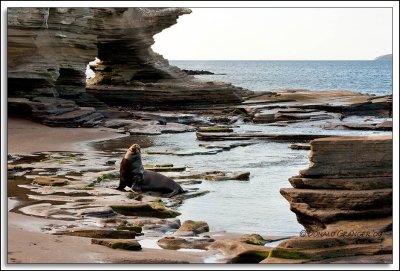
(26, 244)
(26, 136)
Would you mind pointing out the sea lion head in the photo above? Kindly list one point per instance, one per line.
(133, 152)
(135, 148)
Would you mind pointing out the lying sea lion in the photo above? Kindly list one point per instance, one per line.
(133, 174)
(154, 181)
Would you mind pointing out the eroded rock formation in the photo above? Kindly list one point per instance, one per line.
(336, 108)
(49, 49)
(344, 201)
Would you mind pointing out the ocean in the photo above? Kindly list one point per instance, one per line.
(373, 77)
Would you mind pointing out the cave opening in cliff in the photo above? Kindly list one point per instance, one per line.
(89, 71)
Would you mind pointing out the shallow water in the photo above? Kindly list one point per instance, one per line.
(241, 206)
(253, 206)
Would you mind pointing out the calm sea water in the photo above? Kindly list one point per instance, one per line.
(361, 76)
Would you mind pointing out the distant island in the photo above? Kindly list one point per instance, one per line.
(384, 57)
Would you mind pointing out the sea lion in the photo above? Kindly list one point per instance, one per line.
(154, 181)
(133, 174)
(131, 169)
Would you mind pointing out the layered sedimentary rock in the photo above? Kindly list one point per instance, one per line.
(49, 49)
(55, 112)
(335, 108)
(344, 199)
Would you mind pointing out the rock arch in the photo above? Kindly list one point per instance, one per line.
(49, 48)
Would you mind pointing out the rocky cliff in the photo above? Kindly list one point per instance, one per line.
(49, 49)
(344, 201)
(384, 57)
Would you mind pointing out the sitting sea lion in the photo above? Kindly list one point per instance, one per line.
(133, 175)
(131, 169)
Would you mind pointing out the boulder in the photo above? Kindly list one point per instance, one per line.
(240, 252)
(132, 245)
(175, 243)
(194, 226)
(253, 239)
(148, 209)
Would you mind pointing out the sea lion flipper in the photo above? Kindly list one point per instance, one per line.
(122, 184)
(173, 193)
(121, 188)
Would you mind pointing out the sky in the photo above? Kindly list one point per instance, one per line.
(278, 34)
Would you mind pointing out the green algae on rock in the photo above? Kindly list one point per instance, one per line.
(253, 239)
(136, 229)
(152, 210)
(132, 245)
(288, 254)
